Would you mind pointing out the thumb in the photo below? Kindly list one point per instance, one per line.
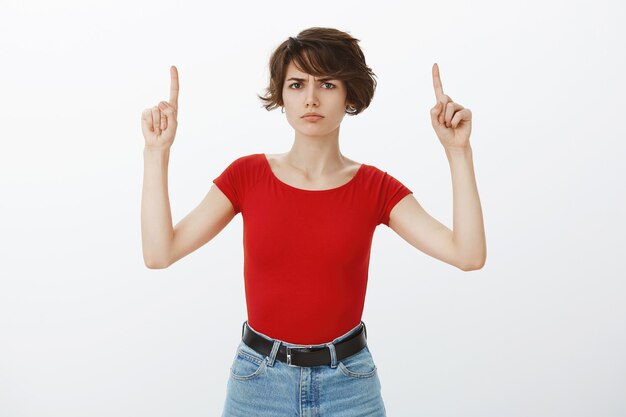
(434, 113)
(168, 109)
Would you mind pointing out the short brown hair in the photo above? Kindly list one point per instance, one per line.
(322, 52)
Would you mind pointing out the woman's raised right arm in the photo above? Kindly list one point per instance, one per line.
(158, 125)
(162, 244)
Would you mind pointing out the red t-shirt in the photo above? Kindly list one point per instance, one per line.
(306, 252)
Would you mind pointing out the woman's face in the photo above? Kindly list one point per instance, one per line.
(303, 93)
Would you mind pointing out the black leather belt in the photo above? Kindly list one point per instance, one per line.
(306, 356)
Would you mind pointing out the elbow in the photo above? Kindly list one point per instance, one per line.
(471, 261)
(473, 266)
(155, 264)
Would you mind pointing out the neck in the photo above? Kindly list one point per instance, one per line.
(316, 155)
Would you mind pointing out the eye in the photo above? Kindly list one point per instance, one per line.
(332, 86)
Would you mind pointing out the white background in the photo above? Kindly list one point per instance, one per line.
(87, 330)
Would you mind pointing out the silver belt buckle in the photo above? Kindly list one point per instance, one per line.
(288, 351)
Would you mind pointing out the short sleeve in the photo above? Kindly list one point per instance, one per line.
(391, 192)
(230, 182)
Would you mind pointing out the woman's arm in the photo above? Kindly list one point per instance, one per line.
(464, 246)
(156, 217)
(468, 231)
(163, 244)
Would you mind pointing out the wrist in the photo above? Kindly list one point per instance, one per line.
(458, 150)
(151, 150)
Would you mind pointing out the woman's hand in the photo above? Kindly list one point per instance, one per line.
(451, 121)
(159, 123)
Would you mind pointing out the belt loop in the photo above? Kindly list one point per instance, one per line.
(364, 330)
(243, 328)
(333, 355)
(272, 357)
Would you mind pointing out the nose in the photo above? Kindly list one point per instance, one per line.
(311, 96)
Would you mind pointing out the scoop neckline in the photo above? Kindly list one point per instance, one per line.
(279, 181)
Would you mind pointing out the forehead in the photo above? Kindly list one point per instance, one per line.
(293, 71)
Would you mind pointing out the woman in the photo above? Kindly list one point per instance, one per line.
(309, 217)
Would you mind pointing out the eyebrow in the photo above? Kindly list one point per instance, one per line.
(302, 79)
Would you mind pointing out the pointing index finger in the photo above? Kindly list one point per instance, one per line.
(437, 82)
(174, 86)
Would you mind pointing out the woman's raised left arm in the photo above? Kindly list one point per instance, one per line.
(464, 245)
(453, 126)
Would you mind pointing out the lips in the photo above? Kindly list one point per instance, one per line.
(311, 114)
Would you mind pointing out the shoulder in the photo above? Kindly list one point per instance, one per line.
(247, 162)
(379, 180)
(248, 159)
(375, 171)
(372, 172)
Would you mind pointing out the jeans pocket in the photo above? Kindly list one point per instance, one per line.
(247, 363)
(359, 365)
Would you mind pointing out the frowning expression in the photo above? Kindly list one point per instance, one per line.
(304, 93)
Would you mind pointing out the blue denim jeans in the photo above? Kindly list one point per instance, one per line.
(262, 386)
